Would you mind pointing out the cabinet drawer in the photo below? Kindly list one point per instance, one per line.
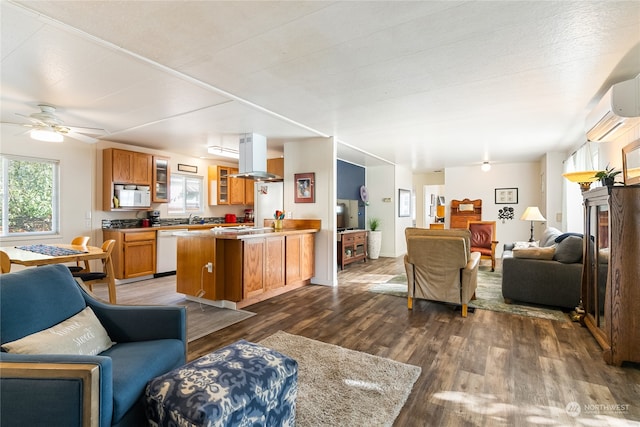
(359, 238)
(138, 236)
(347, 240)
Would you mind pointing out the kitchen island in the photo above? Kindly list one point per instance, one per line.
(236, 267)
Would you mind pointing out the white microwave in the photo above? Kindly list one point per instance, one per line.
(134, 198)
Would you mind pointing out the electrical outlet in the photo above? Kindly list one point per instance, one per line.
(210, 267)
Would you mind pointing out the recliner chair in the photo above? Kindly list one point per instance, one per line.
(440, 266)
(81, 390)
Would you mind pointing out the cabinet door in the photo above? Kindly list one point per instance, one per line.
(121, 166)
(236, 189)
(274, 271)
(139, 258)
(249, 188)
(223, 185)
(294, 259)
(161, 179)
(141, 166)
(307, 269)
(253, 267)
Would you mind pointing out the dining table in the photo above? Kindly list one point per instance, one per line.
(56, 253)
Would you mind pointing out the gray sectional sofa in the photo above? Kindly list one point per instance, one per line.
(548, 275)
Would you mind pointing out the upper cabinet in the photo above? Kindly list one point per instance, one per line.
(224, 190)
(276, 166)
(128, 167)
(123, 167)
(161, 180)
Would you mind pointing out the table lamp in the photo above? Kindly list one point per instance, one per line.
(532, 213)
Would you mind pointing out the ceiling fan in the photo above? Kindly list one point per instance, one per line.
(46, 126)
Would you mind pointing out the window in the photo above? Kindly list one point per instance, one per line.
(29, 195)
(186, 194)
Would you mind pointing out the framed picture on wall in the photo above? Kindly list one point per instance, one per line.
(404, 203)
(506, 196)
(305, 188)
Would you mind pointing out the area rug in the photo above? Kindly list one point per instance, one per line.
(488, 296)
(341, 387)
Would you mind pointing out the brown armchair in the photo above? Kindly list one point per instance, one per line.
(440, 266)
(483, 240)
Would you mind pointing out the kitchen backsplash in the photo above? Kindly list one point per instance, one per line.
(137, 223)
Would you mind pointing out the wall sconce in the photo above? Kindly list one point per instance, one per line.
(486, 167)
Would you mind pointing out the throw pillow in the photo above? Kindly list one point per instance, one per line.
(549, 236)
(563, 236)
(569, 250)
(534, 253)
(79, 334)
(520, 245)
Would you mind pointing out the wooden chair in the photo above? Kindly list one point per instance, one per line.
(5, 262)
(80, 241)
(107, 275)
(483, 240)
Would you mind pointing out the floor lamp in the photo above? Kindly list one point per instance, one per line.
(532, 213)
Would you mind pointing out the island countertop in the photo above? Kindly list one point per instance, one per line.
(241, 233)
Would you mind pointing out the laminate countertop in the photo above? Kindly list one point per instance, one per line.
(240, 233)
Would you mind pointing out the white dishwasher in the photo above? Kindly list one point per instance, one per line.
(167, 250)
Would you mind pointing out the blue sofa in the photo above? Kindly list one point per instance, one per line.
(73, 390)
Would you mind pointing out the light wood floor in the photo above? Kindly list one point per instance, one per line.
(490, 369)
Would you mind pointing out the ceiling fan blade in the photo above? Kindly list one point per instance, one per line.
(81, 137)
(90, 131)
(32, 120)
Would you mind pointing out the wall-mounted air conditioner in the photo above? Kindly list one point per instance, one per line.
(617, 111)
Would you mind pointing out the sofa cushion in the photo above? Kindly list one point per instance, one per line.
(563, 236)
(549, 236)
(79, 334)
(135, 364)
(534, 253)
(569, 250)
(34, 299)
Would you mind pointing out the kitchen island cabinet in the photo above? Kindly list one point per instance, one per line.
(246, 266)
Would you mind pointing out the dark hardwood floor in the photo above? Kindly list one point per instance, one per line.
(489, 369)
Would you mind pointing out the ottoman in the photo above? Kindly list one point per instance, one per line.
(242, 384)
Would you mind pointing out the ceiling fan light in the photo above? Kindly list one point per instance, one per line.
(46, 135)
(223, 151)
(486, 167)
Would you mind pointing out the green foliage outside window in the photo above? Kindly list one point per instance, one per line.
(28, 188)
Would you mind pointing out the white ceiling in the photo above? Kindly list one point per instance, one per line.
(425, 84)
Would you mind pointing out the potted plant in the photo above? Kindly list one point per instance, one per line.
(375, 238)
(607, 176)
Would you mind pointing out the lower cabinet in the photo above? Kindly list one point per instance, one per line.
(352, 247)
(263, 265)
(134, 254)
(300, 256)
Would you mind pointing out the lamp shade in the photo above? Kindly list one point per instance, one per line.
(532, 213)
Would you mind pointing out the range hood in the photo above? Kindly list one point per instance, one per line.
(253, 159)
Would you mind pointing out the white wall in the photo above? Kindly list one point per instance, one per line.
(383, 197)
(435, 180)
(403, 179)
(470, 182)
(315, 155)
(76, 183)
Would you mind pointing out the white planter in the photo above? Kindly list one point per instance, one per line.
(374, 244)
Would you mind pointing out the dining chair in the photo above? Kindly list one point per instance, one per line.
(5, 262)
(105, 276)
(80, 241)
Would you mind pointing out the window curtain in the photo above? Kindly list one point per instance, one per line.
(584, 158)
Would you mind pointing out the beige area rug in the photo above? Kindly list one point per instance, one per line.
(488, 296)
(341, 387)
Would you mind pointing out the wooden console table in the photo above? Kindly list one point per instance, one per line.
(352, 247)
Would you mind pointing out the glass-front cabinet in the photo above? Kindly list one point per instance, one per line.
(611, 268)
(161, 179)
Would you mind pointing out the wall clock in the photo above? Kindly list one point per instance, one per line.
(364, 195)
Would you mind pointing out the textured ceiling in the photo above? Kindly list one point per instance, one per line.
(422, 84)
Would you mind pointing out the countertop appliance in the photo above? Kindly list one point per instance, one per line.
(134, 198)
(248, 215)
(167, 250)
(230, 218)
(154, 218)
(269, 197)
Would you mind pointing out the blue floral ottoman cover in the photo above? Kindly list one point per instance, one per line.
(242, 384)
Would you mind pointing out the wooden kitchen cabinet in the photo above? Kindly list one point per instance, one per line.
(161, 180)
(300, 255)
(134, 254)
(263, 265)
(236, 189)
(229, 191)
(276, 166)
(192, 277)
(123, 167)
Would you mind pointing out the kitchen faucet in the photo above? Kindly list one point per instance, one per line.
(189, 220)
